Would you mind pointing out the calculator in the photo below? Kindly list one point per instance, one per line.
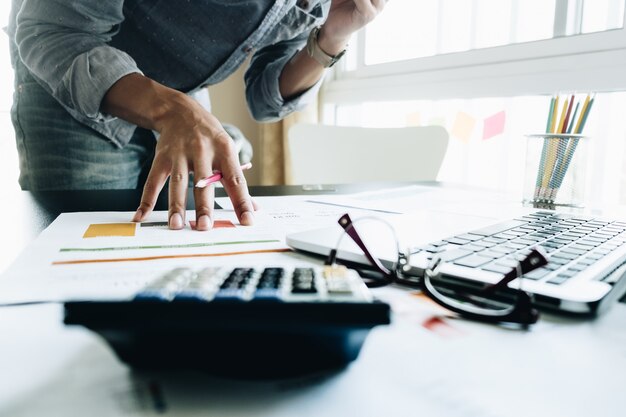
(245, 321)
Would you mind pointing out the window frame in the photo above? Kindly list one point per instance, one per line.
(582, 62)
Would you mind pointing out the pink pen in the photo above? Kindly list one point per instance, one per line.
(203, 182)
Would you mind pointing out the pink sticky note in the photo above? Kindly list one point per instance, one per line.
(463, 126)
(494, 125)
(217, 224)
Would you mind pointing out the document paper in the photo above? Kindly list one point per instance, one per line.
(102, 255)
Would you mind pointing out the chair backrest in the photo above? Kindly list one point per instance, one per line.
(322, 154)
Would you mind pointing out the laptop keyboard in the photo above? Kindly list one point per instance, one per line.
(572, 243)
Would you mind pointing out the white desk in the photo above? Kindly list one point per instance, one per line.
(562, 367)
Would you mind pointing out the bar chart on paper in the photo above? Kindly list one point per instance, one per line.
(103, 255)
(108, 242)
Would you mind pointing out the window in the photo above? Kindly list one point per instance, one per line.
(472, 48)
(435, 61)
(436, 27)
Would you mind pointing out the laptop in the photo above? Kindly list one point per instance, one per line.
(587, 255)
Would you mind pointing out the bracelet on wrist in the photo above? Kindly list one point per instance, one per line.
(318, 54)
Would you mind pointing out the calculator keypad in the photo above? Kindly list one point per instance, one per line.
(301, 284)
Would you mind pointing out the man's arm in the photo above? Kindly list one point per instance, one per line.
(282, 77)
(65, 48)
(344, 18)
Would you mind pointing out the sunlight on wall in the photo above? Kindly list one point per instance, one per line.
(485, 155)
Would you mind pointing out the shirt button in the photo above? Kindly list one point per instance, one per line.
(304, 4)
(247, 49)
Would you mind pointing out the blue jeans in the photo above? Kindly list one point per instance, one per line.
(58, 153)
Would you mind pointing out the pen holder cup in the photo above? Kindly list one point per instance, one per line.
(555, 173)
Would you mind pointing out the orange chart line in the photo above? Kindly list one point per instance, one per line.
(152, 258)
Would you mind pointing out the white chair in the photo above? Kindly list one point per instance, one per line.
(322, 154)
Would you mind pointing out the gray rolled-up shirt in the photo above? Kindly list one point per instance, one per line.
(77, 49)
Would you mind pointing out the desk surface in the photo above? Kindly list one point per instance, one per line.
(563, 366)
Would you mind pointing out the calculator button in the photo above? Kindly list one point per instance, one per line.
(269, 284)
(267, 294)
(167, 286)
(193, 295)
(303, 281)
(235, 285)
(152, 295)
(337, 280)
(339, 287)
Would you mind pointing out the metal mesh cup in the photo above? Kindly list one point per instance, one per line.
(556, 169)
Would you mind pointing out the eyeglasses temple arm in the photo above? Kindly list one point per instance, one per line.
(346, 223)
(535, 259)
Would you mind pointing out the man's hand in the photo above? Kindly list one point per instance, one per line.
(344, 18)
(191, 140)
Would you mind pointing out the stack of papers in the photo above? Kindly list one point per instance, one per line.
(102, 255)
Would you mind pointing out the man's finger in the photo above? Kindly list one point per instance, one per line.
(151, 189)
(179, 178)
(204, 196)
(236, 187)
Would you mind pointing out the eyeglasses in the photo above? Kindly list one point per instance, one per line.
(494, 303)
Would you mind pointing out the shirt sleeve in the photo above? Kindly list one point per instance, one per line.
(262, 77)
(64, 45)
